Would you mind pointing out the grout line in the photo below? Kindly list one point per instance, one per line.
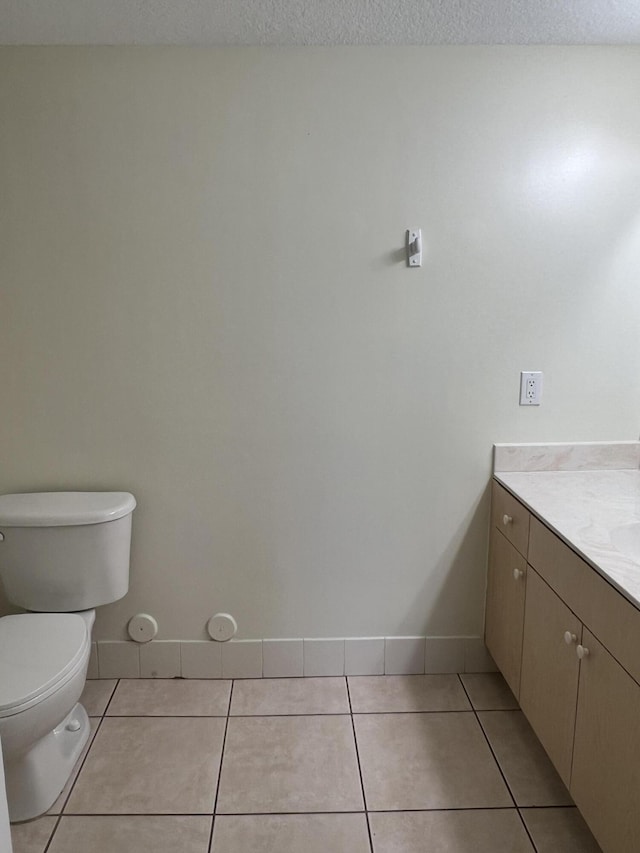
(451, 809)
(307, 812)
(55, 828)
(504, 778)
(344, 713)
(170, 716)
(82, 763)
(224, 742)
(134, 814)
(355, 741)
(228, 714)
(526, 829)
(524, 825)
(113, 693)
(554, 806)
(407, 713)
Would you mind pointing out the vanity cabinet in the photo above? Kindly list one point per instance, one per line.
(510, 518)
(550, 669)
(506, 584)
(578, 674)
(605, 780)
(505, 607)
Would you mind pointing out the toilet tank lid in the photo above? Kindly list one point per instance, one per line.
(59, 509)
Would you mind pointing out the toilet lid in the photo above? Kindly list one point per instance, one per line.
(37, 651)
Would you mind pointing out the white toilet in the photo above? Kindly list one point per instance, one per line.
(5, 830)
(61, 555)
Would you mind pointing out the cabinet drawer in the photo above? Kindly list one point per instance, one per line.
(602, 609)
(505, 607)
(510, 517)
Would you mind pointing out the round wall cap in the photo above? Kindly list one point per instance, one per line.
(142, 628)
(222, 627)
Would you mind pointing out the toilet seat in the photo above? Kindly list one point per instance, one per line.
(39, 653)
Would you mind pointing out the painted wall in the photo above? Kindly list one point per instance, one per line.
(204, 301)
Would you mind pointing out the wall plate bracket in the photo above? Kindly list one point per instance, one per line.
(414, 248)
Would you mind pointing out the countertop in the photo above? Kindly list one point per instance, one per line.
(587, 509)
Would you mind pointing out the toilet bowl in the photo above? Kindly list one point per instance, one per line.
(61, 554)
(43, 667)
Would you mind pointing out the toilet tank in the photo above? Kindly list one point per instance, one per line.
(65, 551)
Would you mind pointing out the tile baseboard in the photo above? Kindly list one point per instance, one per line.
(285, 658)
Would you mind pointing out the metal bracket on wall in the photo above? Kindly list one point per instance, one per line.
(414, 248)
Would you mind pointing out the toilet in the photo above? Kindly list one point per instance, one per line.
(62, 554)
(5, 829)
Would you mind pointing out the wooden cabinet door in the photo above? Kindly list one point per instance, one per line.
(505, 608)
(550, 668)
(605, 779)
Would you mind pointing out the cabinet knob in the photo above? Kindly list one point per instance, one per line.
(507, 519)
(570, 638)
(517, 574)
(582, 651)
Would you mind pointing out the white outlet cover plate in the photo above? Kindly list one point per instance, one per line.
(530, 387)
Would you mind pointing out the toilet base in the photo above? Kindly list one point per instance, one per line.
(35, 779)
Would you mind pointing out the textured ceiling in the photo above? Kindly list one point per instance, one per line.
(321, 22)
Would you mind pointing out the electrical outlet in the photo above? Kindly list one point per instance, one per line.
(530, 387)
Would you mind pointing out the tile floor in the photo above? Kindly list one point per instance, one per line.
(382, 764)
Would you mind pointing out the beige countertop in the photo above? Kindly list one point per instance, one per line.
(596, 511)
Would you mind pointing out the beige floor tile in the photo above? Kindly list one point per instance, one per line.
(289, 764)
(32, 837)
(265, 696)
(384, 693)
(489, 691)
(132, 833)
(529, 773)
(96, 694)
(146, 765)
(556, 830)
(57, 807)
(170, 697)
(310, 833)
(477, 831)
(427, 761)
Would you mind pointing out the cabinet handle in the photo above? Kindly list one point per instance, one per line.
(570, 638)
(582, 651)
(507, 519)
(517, 574)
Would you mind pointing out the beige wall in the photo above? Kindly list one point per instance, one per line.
(204, 301)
